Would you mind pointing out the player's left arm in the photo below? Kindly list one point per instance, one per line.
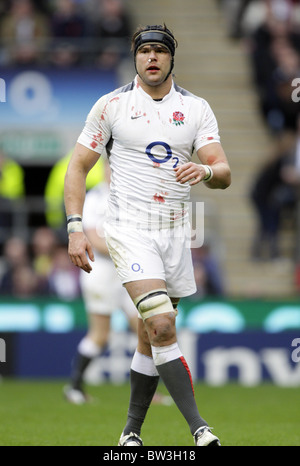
(214, 165)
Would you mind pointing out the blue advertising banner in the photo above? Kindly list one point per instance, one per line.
(223, 342)
(249, 358)
(43, 110)
(216, 359)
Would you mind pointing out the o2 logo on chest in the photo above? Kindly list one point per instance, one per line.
(169, 154)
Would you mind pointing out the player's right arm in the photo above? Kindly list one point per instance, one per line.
(82, 161)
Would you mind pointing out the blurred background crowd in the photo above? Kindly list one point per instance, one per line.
(67, 34)
(270, 30)
(63, 33)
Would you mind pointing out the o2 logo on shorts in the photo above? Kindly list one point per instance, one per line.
(168, 157)
(137, 268)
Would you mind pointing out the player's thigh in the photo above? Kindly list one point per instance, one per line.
(100, 288)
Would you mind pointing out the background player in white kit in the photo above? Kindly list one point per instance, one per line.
(150, 129)
(102, 293)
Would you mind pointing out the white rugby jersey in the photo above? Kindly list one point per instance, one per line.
(145, 140)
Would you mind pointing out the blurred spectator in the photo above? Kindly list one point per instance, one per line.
(291, 170)
(42, 270)
(63, 33)
(243, 17)
(68, 21)
(113, 22)
(44, 243)
(235, 12)
(69, 28)
(24, 32)
(207, 271)
(274, 50)
(44, 6)
(281, 111)
(109, 58)
(64, 55)
(24, 282)
(18, 279)
(237, 18)
(4, 6)
(63, 277)
(275, 189)
(15, 255)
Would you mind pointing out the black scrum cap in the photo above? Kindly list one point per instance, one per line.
(155, 35)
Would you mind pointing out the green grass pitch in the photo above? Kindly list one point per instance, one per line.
(33, 413)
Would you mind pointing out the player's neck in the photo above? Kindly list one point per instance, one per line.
(157, 92)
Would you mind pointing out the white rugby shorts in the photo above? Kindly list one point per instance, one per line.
(165, 254)
(102, 290)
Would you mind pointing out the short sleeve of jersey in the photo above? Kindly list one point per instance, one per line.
(208, 131)
(96, 132)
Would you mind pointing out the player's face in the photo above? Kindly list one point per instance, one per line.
(153, 72)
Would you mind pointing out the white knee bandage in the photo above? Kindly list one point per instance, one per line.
(154, 303)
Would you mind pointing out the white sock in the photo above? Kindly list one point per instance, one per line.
(88, 348)
(163, 354)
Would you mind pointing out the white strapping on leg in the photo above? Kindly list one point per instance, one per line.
(164, 354)
(143, 364)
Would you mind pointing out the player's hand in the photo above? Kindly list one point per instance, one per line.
(190, 172)
(80, 250)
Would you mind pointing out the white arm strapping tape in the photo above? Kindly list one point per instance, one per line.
(74, 223)
(209, 173)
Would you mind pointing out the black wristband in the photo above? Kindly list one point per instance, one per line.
(74, 219)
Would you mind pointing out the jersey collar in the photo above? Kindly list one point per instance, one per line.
(147, 96)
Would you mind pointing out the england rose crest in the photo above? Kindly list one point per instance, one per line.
(178, 118)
